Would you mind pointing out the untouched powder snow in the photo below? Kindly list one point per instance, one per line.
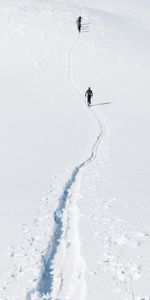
(89, 238)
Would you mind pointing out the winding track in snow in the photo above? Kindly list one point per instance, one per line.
(45, 283)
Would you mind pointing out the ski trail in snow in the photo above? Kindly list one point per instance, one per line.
(45, 285)
(69, 274)
(75, 86)
(70, 232)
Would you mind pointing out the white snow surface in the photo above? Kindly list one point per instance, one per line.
(74, 181)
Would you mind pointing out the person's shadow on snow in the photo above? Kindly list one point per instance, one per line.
(102, 103)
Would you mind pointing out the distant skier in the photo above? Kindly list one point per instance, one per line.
(89, 95)
(79, 25)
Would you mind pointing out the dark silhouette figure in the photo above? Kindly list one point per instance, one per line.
(89, 95)
(79, 25)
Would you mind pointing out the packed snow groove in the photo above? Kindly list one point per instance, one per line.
(45, 283)
(77, 88)
(99, 215)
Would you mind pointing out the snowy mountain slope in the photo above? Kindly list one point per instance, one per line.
(90, 239)
(35, 122)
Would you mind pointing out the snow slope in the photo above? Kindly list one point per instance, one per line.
(90, 237)
(36, 122)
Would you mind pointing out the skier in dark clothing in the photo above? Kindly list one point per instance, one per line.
(79, 23)
(89, 95)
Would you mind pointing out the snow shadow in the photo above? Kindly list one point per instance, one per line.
(46, 281)
(102, 103)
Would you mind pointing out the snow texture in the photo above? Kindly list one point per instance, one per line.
(89, 236)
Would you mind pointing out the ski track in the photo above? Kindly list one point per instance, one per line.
(51, 281)
(45, 284)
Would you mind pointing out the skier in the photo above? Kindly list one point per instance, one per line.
(79, 23)
(89, 95)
